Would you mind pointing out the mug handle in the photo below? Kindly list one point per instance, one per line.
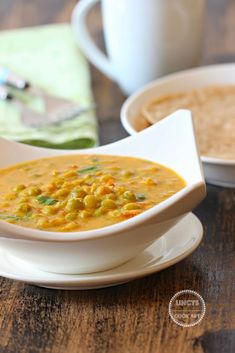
(84, 40)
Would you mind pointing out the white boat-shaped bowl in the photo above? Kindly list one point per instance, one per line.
(217, 171)
(171, 143)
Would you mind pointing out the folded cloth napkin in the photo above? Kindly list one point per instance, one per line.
(48, 57)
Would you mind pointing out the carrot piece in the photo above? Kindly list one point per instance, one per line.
(131, 213)
(110, 182)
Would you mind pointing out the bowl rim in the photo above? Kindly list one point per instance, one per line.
(148, 87)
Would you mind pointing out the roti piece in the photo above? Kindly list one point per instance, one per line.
(213, 109)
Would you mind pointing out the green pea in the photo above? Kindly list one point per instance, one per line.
(62, 192)
(106, 177)
(115, 213)
(84, 214)
(100, 211)
(127, 173)
(108, 203)
(140, 196)
(33, 191)
(131, 206)
(47, 210)
(11, 196)
(23, 199)
(19, 188)
(23, 208)
(90, 201)
(129, 195)
(74, 204)
(78, 192)
(71, 216)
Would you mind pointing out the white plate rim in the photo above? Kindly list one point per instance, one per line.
(119, 277)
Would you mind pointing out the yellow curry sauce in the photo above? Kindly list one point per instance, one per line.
(82, 192)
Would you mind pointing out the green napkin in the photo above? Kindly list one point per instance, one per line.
(48, 57)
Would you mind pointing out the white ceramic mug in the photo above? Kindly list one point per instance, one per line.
(145, 39)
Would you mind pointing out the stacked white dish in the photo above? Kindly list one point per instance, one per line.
(217, 171)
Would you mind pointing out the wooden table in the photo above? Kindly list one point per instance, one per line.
(132, 317)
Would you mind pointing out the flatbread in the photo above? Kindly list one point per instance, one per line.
(213, 109)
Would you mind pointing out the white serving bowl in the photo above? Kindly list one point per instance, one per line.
(105, 248)
(218, 171)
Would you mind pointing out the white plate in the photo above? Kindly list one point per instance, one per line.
(174, 246)
(219, 172)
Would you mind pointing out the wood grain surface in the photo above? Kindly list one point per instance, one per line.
(132, 317)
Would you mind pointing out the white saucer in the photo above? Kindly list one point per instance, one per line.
(174, 246)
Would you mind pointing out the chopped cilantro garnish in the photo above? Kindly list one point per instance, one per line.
(88, 169)
(8, 217)
(46, 200)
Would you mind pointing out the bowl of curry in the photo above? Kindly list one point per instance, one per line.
(87, 211)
